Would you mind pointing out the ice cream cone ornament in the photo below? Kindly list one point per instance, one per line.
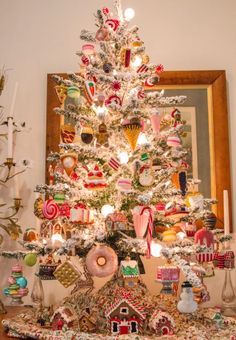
(61, 92)
(69, 161)
(132, 128)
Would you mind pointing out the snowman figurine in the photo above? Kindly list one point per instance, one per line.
(186, 303)
(146, 175)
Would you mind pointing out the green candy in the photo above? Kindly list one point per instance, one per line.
(59, 198)
(144, 157)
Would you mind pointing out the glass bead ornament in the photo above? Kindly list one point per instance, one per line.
(37, 295)
(228, 307)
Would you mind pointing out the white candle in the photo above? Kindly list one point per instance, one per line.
(226, 212)
(10, 137)
(16, 186)
(11, 112)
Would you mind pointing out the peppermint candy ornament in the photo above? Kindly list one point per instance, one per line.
(50, 209)
(114, 99)
(116, 85)
(159, 68)
(141, 94)
(113, 24)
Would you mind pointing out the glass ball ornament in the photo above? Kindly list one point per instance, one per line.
(30, 259)
(136, 62)
(21, 281)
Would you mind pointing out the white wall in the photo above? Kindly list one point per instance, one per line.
(40, 37)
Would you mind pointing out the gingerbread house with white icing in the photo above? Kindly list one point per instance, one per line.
(126, 315)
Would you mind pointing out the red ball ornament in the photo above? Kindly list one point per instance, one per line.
(116, 85)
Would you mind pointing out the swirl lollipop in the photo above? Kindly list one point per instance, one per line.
(50, 209)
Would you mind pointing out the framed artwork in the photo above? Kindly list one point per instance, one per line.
(205, 113)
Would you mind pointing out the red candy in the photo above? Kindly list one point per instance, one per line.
(105, 11)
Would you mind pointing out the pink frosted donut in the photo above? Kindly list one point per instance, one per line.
(50, 209)
(101, 261)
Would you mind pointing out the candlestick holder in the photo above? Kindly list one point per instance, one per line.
(9, 223)
(10, 164)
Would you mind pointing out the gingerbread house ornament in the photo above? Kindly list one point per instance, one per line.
(162, 323)
(87, 321)
(129, 272)
(63, 316)
(116, 221)
(126, 315)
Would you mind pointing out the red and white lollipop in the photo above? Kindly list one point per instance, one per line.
(50, 209)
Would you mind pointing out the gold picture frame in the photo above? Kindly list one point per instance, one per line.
(215, 83)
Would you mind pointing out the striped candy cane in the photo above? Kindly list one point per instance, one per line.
(149, 230)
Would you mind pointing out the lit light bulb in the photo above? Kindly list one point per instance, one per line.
(106, 210)
(114, 72)
(123, 157)
(101, 112)
(44, 241)
(156, 249)
(136, 62)
(181, 235)
(142, 139)
(129, 14)
(57, 240)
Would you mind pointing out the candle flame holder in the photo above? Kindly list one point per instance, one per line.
(9, 164)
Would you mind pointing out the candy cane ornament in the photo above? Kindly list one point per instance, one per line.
(149, 230)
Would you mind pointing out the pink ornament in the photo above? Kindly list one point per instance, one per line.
(113, 23)
(156, 122)
(50, 209)
(88, 49)
(102, 34)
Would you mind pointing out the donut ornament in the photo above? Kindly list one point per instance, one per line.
(101, 261)
(50, 210)
(69, 161)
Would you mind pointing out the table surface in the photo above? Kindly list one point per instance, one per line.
(11, 312)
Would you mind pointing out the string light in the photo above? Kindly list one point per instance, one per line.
(142, 139)
(106, 210)
(123, 157)
(129, 14)
(156, 249)
(137, 61)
